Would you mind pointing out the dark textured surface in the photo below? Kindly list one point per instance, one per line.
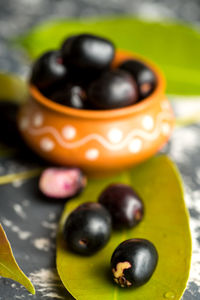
(29, 220)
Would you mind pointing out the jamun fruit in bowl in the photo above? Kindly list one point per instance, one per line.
(95, 107)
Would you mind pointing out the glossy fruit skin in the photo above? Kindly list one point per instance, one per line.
(124, 205)
(114, 89)
(133, 262)
(88, 228)
(144, 77)
(70, 95)
(87, 51)
(48, 70)
(83, 78)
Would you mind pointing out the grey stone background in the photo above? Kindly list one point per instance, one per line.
(17, 16)
(32, 232)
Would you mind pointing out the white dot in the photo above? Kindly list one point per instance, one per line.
(165, 128)
(148, 123)
(69, 132)
(92, 154)
(115, 135)
(135, 145)
(38, 120)
(47, 144)
(24, 123)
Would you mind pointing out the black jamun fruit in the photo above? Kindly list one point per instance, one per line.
(48, 70)
(82, 77)
(144, 76)
(133, 262)
(113, 89)
(87, 51)
(70, 95)
(88, 228)
(124, 204)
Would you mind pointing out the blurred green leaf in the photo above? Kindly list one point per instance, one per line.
(174, 47)
(165, 223)
(12, 88)
(8, 264)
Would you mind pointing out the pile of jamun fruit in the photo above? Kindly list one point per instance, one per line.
(88, 228)
(81, 75)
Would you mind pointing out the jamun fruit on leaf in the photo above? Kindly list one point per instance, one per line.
(87, 228)
(124, 204)
(133, 262)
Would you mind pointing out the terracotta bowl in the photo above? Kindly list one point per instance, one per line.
(99, 142)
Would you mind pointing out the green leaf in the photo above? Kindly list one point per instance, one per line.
(8, 264)
(175, 47)
(165, 224)
(8, 178)
(12, 88)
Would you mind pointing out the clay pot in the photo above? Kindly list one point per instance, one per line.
(99, 142)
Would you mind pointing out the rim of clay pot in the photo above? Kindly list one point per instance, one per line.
(136, 108)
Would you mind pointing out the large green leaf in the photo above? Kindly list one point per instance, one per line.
(174, 47)
(165, 224)
(8, 264)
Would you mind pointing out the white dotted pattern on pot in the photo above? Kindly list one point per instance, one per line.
(148, 122)
(38, 120)
(47, 144)
(69, 132)
(24, 123)
(165, 128)
(115, 140)
(92, 154)
(115, 135)
(135, 145)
